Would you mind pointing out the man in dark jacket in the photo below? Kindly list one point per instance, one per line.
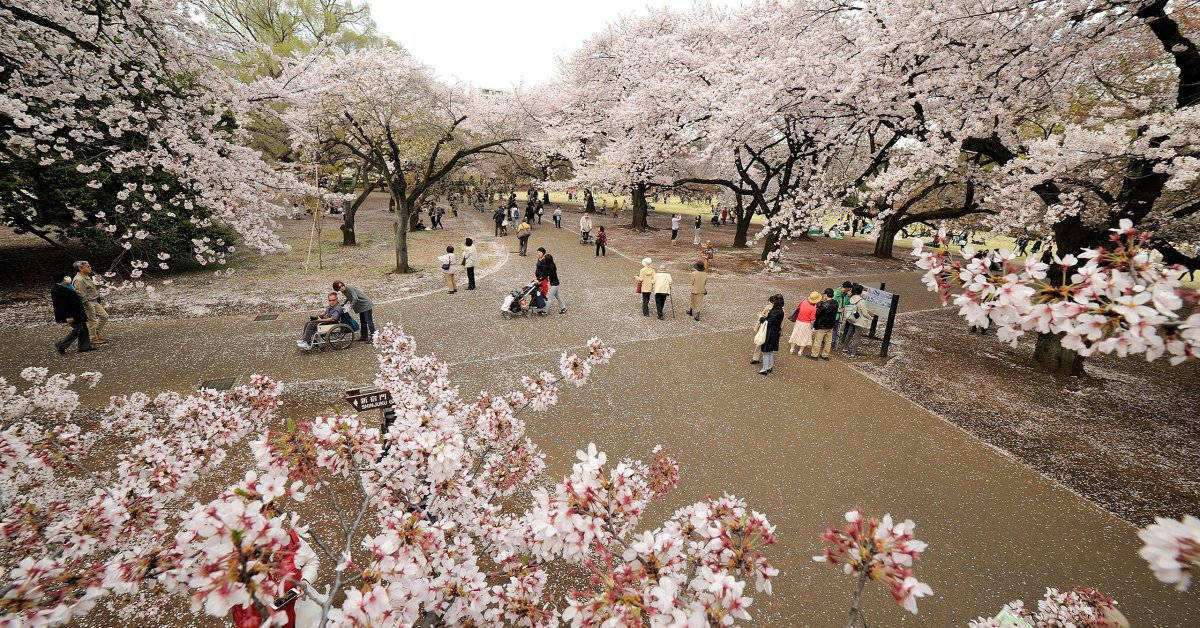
(68, 309)
(827, 313)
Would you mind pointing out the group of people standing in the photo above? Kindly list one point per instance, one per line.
(658, 284)
(816, 323)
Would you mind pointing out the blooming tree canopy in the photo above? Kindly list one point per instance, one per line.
(115, 125)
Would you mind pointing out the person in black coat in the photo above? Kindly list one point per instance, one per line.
(773, 319)
(68, 309)
(827, 311)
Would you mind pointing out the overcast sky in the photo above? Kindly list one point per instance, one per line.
(499, 43)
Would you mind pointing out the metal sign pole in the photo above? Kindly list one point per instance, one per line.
(887, 331)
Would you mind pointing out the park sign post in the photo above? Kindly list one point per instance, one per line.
(883, 305)
(363, 399)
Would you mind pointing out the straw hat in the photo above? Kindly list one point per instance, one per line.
(814, 297)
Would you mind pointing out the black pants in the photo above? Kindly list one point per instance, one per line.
(646, 303)
(659, 301)
(498, 228)
(558, 222)
(79, 331)
(600, 248)
(366, 324)
(470, 277)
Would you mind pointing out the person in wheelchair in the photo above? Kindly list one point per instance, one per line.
(332, 314)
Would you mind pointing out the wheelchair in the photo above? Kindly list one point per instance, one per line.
(339, 335)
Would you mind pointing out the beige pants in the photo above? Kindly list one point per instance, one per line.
(697, 303)
(822, 342)
(450, 282)
(97, 317)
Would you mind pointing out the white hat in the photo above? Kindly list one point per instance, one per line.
(646, 261)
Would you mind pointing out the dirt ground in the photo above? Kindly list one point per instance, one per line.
(1126, 437)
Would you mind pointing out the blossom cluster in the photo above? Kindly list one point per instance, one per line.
(1172, 547)
(87, 514)
(1081, 607)
(1118, 301)
(878, 550)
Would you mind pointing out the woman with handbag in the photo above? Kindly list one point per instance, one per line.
(803, 317)
(645, 282)
(448, 261)
(766, 338)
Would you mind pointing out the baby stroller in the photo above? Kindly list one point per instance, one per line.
(585, 237)
(523, 300)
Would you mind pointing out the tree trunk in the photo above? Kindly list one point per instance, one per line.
(401, 234)
(1054, 359)
(770, 244)
(741, 222)
(886, 236)
(1070, 237)
(638, 214)
(348, 217)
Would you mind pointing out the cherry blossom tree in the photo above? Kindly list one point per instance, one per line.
(118, 128)
(386, 109)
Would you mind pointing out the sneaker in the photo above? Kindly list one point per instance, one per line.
(764, 372)
(825, 357)
(697, 319)
(754, 361)
(563, 311)
(61, 349)
(304, 345)
(812, 357)
(689, 312)
(99, 341)
(86, 349)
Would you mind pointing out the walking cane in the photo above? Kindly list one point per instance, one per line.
(672, 298)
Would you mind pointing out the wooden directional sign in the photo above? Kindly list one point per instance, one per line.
(364, 399)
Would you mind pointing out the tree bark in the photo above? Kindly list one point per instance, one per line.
(401, 234)
(1052, 358)
(638, 214)
(741, 220)
(348, 238)
(886, 236)
(770, 244)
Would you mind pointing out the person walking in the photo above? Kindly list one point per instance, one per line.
(558, 218)
(841, 296)
(540, 210)
(803, 317)
(696, 232)
(84, 284)
(585, 225)
(675, 219)
(645, 284)
(823, 325)
(448, 260)
(69, 310)
(550, 270)
(601, 243)
(498, 218)
(468, 261)
(858, 320)
(662, 290)
(772, 317)
(358, 302)
(699, 289)
(523, 232)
